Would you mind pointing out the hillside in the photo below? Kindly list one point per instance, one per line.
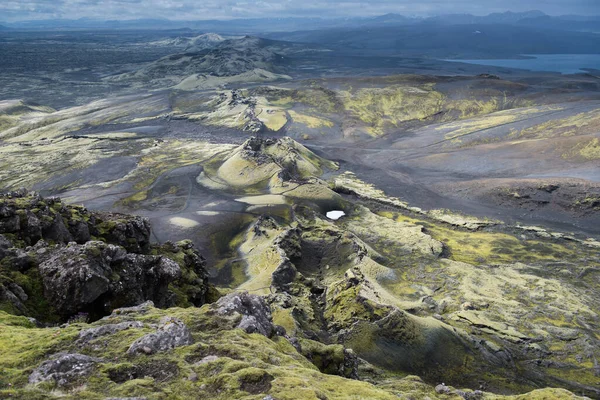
(226, 58)
(347, 217)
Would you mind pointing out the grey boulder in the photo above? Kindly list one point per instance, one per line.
(171, 333)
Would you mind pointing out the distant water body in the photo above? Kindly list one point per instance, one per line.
(563, 63)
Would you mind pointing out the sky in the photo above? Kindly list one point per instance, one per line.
(15, 10)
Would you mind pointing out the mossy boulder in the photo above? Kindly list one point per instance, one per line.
(51, 269)
(98, 277)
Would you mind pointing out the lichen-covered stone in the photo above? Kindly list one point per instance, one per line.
(64, 369)
(253, 311)
(87, 335)
(171, 333)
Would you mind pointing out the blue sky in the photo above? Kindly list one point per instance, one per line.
(12, 10)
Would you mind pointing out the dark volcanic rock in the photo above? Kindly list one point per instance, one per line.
(97, 276)
(5, 246)
(64, 369)
(171, 333)
(7, 296)
(193, 283)
(30, 218)
(130, 232)
(118, 269)
(284, 275)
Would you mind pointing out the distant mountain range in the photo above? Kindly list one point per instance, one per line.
(261, 25)
(440, 40)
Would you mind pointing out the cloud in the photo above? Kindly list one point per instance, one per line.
(225, 9)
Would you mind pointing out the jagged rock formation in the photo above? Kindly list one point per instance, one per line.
(64, 369)
(59, 260)
(254, 312)
(77, 277)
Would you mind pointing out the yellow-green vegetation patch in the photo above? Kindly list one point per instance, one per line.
(273, 118)
(389, 106)
(586, 150)
(490, 119)
(478, 247)
(24, 166)
(283, 317)
(349, 182)
(458, 129)
(473, 107)
(157, 160)
(581, 124)
(318, 98)
(310, 121)
(23, 346)
(7, 122)
(391, 234)
(135, 198)
(262, 255)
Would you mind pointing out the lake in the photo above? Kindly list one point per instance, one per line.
(563, 63)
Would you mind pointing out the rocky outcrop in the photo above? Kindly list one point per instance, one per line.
(191, 287)
(28, 218)
(99, 277)
(330, 359)
(50, 268)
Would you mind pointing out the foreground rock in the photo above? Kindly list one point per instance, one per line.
(64, 369)
(252, 310)
(196, 353)
(51, 269)
(100, 277)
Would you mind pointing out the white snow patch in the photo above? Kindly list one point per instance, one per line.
(207, 213)
(335, 215)
(183, 222)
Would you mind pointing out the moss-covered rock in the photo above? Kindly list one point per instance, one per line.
(222, 363)
(51, 270)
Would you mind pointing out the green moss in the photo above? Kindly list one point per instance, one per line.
(37, 305)
(330, 359)
(381, 108)
(484, 247)
(283, 317)
(23, 346)
(345, 306)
